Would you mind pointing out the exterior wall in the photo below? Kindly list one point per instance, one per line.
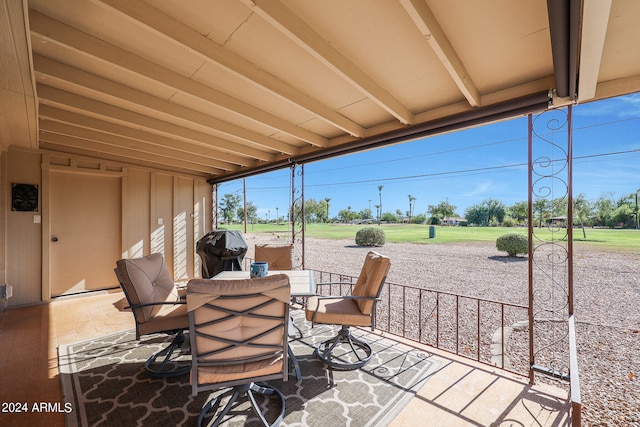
(23, 234)
(167, 214)
(161, 212)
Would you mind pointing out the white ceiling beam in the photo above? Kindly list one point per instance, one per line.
(64, 145)
(428, 25)
(211, 51)
(136, 120)
(132, 144)
(595, 19)
(18, 103)
(616, 87)
(86, 147)
(50, 68)
(51, 113)
(289, 24)
(65, 35)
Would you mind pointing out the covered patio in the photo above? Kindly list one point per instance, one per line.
(460, 392)
(119, 118)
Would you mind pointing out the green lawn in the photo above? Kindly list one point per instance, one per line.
(605, 239)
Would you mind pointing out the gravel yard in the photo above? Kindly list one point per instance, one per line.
(607, 304)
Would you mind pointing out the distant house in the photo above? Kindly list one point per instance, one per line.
(559, 221)
(454, 221)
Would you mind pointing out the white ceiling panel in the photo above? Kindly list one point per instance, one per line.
(222, 88)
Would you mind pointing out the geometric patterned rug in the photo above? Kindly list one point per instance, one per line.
(104, 381)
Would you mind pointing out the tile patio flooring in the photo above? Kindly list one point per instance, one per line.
(460, 393)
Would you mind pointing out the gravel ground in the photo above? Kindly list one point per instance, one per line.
(606, 301)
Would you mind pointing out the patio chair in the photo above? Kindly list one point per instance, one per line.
(279, 257)
(157, 307)
(344, 351)
(238, 333)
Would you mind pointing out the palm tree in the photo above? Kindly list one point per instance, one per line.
(327, 199)
(411, 200)
(380, 194)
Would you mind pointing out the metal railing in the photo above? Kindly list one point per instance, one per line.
(489, 332)
(484, 330)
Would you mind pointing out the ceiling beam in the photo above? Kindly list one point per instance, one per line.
(511, 108)
(48, 112)
(289, 24)
(213, 52)
(428, 25)
(595, 19)
(56, 148)
(65, 35)
(135, 120)
(50, 68)
(18, 102)
(131, 144)
(617, 87)
(97, 149)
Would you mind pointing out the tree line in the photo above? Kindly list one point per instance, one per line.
(606, 211)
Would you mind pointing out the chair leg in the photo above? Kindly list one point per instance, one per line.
(357, 349)
(244, 390)
(266, 389)
(214, 403)
(163, 370)
(297, 328)
(295, 363)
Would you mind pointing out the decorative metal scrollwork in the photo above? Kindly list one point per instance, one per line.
(297, 214)
(214, 206)
(549, 174)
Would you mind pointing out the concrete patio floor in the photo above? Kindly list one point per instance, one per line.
(459, 393)
(465, 393)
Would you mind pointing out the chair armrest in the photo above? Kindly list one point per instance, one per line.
(351, 284)
(150, 304)
(347, 297)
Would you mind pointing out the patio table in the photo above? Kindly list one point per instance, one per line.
(301, 281)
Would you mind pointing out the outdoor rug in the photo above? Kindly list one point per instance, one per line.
(104, 381)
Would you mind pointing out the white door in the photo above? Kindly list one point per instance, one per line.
(85, 218)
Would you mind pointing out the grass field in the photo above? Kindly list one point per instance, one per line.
(604, 239)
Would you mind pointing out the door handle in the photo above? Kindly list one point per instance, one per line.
(54, 239)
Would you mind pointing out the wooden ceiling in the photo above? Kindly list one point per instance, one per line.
(220, 88)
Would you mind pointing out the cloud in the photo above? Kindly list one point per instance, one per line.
(480, 189)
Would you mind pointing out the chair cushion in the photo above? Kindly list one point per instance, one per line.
(371, 278)
(147, 280)
(224, 373)
(277, 256)
(276, 286)
(170, 318)
(336, 311)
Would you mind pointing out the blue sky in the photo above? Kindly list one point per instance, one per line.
(464, 167)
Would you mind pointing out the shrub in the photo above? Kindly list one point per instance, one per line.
(370, 237)
(508, 222)
(513, 244)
